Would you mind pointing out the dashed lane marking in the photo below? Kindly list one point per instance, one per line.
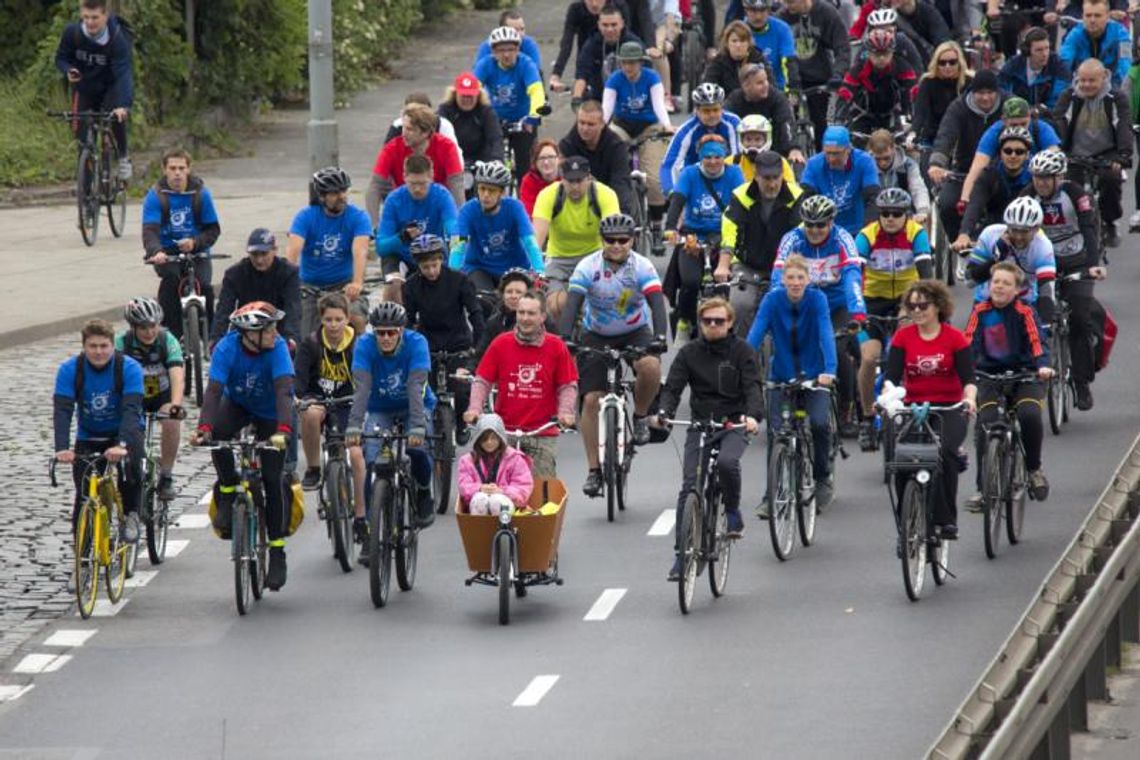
(104, 608)
(10, 693)
(191, 522)
(174, 548)
(663, 525)
(535, 691)
(141, 578)
(41, 663)
(70, 637)
(205, 500)
(605, 604)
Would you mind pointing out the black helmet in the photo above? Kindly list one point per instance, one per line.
(427, 245)
(388, 314)
(617, 224)
(331, 179)
(516, 274)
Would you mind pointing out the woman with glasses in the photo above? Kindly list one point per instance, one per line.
(999, 184)
(543, 171)
(932, 360)
(945, 79)
(737, 50)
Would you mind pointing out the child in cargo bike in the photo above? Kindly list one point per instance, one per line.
(494, 476)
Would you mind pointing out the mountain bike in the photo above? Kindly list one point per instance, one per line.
(1088, 175)
(692, 54)
(649, 240)
(154, 511)
(336, 488)
(1005, 483)
(195, 326)
(97, 181)
(249, 542)
(803, 130)
(444, 423)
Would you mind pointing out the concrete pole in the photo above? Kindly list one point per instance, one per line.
(322, 128)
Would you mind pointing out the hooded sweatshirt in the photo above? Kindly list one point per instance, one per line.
(508, 468)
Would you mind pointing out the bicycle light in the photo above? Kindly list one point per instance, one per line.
(505, 516)
(923, 476)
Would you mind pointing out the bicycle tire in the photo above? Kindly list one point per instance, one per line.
(86, 567)
(939, 561)
(132, 558)
(689, 542)
(1055, 390)
(444, 456)
(807, 509)
(1068, 393)
(503, 565)
(114, 193)
(993, 498)
(913, 534)
(720, 549)
(693, 53)
(781, 501)
(259, 546)
(157, 520)
(337, 514)
(240, 554)
(407, 541)
(380, 543)
(1015, 499)
(609, 463)
(115, 571)
(87, 195)
(623, 471)
(192, 320)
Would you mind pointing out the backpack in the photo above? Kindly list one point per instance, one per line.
(560, 201)
(79, 372)
(164, 204)
(123, 26)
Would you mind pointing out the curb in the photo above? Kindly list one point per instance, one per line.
(33, 333)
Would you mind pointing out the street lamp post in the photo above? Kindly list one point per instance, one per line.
(322, 128)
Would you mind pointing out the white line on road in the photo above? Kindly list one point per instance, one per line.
(663, 525)
(206, 497)
(605, 604)
(174, 548)
(12, 693)
(70, 637)
(189, 522)
(104, 608)
(40, 663)
(141, 578)
(535, 691)
(57, 663)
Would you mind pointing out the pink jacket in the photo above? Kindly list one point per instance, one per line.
(514, 477)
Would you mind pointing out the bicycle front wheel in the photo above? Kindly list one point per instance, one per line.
(807, 507)
(610, 465)
(503, 571)
(380, 542)
(338, 514)
(243, 558)
(115, 571)
(114, 189)
(193, 336)
(689, 543)
(993, 496)
(719, 549)
(782, 500)
(87, 195)
(407, 543)
(157, 524)
(444, 455)
(913, 535)
(1015, 498)
(86, 563)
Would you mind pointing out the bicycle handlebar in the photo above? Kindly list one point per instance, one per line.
(554, 423)
(611, 355)
(1009, 376)
(807, 385)
(303, 404)
(709, 426)
(105, 115)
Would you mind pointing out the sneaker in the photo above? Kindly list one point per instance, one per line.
(166, 488)
(735, 523)
(949, 532)
(764, 509)
(1038, 486)
(462, 435)
(867, 435)
(130, 530)
(125, 169)
(824, 493)
(640, 430)
(974, 503)
(275, 575)
(684, 333)
(675, 572)
(1084, 400)
(1111, 236)
(1134, 222)
(312, 479)
(360, 530)
(425, 508)
(848, 428)
(594, 484)
(224, 518)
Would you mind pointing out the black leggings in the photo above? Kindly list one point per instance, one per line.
(130, 476)
(732, 444)
(952, 429)
(1079, 296)
(1027, 398)
(230, 419)
(96, 101)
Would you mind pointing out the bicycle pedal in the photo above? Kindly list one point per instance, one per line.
(322, 513)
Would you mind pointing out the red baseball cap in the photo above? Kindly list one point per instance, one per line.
(466, 84)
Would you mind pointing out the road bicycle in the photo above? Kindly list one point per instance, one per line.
(1004, 479)
(97, 180)
(154, 511)
(649, 235)
(336, 488)
(702, 532)
(918, 460)
(195, 325)
(445, 419)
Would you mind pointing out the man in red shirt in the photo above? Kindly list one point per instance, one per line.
(419, 136)
(537, 379)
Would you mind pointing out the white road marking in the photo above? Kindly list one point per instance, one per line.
(38, 663)
(104, 608)
(205, 500)
(605, 604)
(174, 548)
(141, 578)
(189, 522)
(12, 693)
(56, 664)
(70, 637)
(663, 525)
(535, 691)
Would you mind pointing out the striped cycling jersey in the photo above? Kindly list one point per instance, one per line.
(890, 259)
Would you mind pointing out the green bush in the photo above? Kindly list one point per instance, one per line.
(35, 152)
(25, 22)
(366, 33)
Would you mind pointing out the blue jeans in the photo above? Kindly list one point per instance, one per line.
(420, 457)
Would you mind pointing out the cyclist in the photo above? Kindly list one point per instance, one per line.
(702, 193)
(757, 96)
(760, 213)
(1069, 222)
(1006, 336)
(797, 318)
(580, 24)
(513, 18)
(619, 294)
(596, 58)
(896, 253)
(419, 137)
(756, 137)
(420, 206)
(923, 23)
(103, 389)
(390, 367)
(566, 217)
(822, 51)
(710, 118)
(1021, 240)
(898, 170)
(515, 89)
(536, 380)
(178, 217)
(999, 185)
(945, 80)
(324, 372)
(513, 285)
(887, 20)
(606, 151)
(666, 18)
(329, 240)
(737, 50)
(440, 124)
(875, 92)
(493, 230)
(544, 168)
(251, 383)
(164, 379)
(634, 97)
(96, 55)
(723, 378)
(1099, 37)
(1036, 74)
(261, 276)
(775, 40)
(846, 175)
(477, 130)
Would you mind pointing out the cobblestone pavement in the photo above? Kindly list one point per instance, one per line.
(35, 542)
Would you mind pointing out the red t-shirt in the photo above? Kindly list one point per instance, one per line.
(528, 378)
(532, 184)
(442, 152)
(930, 374)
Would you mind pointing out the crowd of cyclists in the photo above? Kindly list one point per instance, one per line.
(840, 166)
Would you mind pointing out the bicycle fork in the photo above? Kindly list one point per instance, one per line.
(611, 401)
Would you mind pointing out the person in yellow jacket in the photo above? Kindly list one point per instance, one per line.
(756, 137)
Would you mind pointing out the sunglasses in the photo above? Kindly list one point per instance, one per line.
(714, 321)
(892, 214)
(918, 305)
(948, 62)
(547, 158)
(816, 225)
(1013, 151)
(617, 240)
(387, 332)
(259, 253)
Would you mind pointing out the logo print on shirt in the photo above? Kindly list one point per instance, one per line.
(180, 218)
(504, 94)
(497, 240)
(100, 401)
(929, 365)
(330, 244)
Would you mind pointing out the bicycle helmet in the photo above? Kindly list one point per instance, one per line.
(1020, 134)
(754, 123)
(617, 224)
(818, 208)
(757, 5)
(504, 35)
(256, 315)
(427, 245)
(142, 311)
(388, 314)
(492, 173)
(879, 41)
(331, 179)
(708, 94)
(1049, 163)
(1023, 212)
(516, 274)
(883, 17)
(894, 198)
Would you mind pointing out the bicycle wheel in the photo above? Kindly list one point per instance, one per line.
(380, 542)
(87, 195)
(503, 568)
(689, 541)
(258, 551)
(115, 572)
(993, 500)
(156, 522)
(337, 513)
(622, 472)
(719, 546)
(940, 561)
(193, 339)
(1015, 498)
(243, 558)
(444, 456)
(86, 563)
(641, 217)
(1068, 393)
(610, 463)
(1055, 392)
(113, 189)
(782, 500)
(407, 542)
(806, 504)
(693, 53)
(912, 526)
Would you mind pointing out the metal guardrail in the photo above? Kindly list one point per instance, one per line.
(1036, 690)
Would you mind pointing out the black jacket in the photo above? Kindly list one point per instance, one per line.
(723, 378)
(104, 68)
(280, 286)
(724, 71)
(959, 133)
(926, 28)
(931, 103)
(992, 193)
(446, 311)
(752, 240)
(775, 107)
(822, 31)
(580, 25)
(609, 162)
(478, 132)
(591, 63)
(1116, 106)
(336, 381)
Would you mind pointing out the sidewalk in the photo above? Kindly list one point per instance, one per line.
(53, 282)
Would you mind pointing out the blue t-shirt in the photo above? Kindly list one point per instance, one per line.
(181, 222)
(247, 379)
(702, 210)
(529, 48)
(845, 186)
(326, 258)
(777, 43)
(390, 373)
(1044, 136)
(494, 241)
(100, 411)
(507, 88)
(634, 102)
(435, 214)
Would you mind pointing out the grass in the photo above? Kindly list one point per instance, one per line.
(39, 150)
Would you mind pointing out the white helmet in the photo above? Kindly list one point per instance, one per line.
(1023, 212)
(754, 122)
(503, 34)
(883, 17)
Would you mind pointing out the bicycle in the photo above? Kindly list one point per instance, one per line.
(154, 511)
(702, 534)
(444, 423)
(336, 488)
(97, 181)
(918, 457)
(1089, 176)
(1004, 479)
(803, 129)
(939, 244)
(692, 55)
(650, 240)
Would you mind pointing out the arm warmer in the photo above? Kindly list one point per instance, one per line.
(363, 389)
(568, 398)
(210, 401)
(283, 393)
(676, 206)
(480, 390)
(62, 410)
(569, 314)
(530, 245)
(660, 314)
(964, 366)
(417, 417)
